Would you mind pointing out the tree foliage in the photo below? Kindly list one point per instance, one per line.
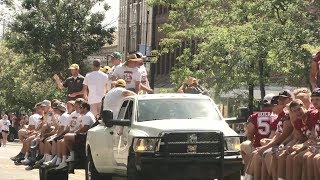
(21, 86)
(60, 31)
(45, 37)
(236, 37)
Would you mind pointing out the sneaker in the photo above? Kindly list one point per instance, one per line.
(49, 164)
(62, 165)
(40, 162)
(29, 168)
(16, 157)
(26, 161)
(18, 161)
(36, 166)
(70, 159)
(39, 157)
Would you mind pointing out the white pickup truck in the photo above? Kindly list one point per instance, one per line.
(169, 136)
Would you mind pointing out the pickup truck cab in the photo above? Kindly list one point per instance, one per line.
(164, 136)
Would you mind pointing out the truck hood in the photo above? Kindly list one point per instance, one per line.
(155, 127)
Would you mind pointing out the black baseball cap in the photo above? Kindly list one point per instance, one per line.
(315, 92)
(286, 93)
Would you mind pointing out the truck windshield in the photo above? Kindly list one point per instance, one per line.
(159, 109)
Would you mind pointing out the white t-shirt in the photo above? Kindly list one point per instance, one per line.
(35, 120)
(64, 120)
(96, 82)
(87, 119)
(5, 124)
(74, 121)
(114, 67)
(50, 119)
(130, 75)
(144, 75)
(113, 100)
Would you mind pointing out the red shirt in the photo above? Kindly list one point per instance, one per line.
(277, 125)
(316, 123)
(261, 121)
(306, 127)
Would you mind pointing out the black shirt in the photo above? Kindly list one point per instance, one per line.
(74, 85)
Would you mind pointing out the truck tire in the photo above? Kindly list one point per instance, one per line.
(10, 137)
(46, 174)
(234, 176)
(132, 172)
(91, 171)
(41, 174)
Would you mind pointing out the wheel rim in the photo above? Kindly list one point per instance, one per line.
(89, 170)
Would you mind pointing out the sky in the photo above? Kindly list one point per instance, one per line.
(111, 15)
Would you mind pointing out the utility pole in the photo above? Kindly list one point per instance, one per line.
(153, 46)
(138, 32)
(147, 25)
(127, 49)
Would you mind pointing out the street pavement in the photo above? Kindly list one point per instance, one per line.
(9, 171)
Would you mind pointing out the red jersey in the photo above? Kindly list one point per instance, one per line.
(277, 125)
(316, 123)
(261, 121)
(305, 127)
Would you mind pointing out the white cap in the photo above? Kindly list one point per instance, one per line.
(267, 98)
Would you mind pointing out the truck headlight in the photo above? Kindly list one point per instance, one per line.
(146, 145)
(232, 143)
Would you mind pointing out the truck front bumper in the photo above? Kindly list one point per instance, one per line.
(189, 167)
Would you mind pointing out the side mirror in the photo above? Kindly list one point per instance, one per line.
(243, 114)
(107, 117)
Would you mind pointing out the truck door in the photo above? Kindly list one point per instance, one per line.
(121, 144)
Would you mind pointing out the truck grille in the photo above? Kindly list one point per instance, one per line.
(189, 144)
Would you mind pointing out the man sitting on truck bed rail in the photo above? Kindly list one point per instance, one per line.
(258, 127)
(79, 137)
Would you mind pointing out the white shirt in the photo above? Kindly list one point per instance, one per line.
(5, 124)
(96, 82)
(74, 121)
(87, 119)
(35, 120)
(64, 120)
(113, 100)
(130, 75)
(144, 75)
(114, 67)
(51, 121)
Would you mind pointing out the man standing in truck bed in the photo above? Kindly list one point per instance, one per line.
(74, 83)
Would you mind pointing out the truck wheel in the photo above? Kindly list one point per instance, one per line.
(91, 172)
(46, 174)
(11, 137)
(41, 174)
(234, 176)
(132, 172)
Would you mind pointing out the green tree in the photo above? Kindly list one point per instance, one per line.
(242, 43)
(60, 31)
(21, 86)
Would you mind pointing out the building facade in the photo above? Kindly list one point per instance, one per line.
(135, 27)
